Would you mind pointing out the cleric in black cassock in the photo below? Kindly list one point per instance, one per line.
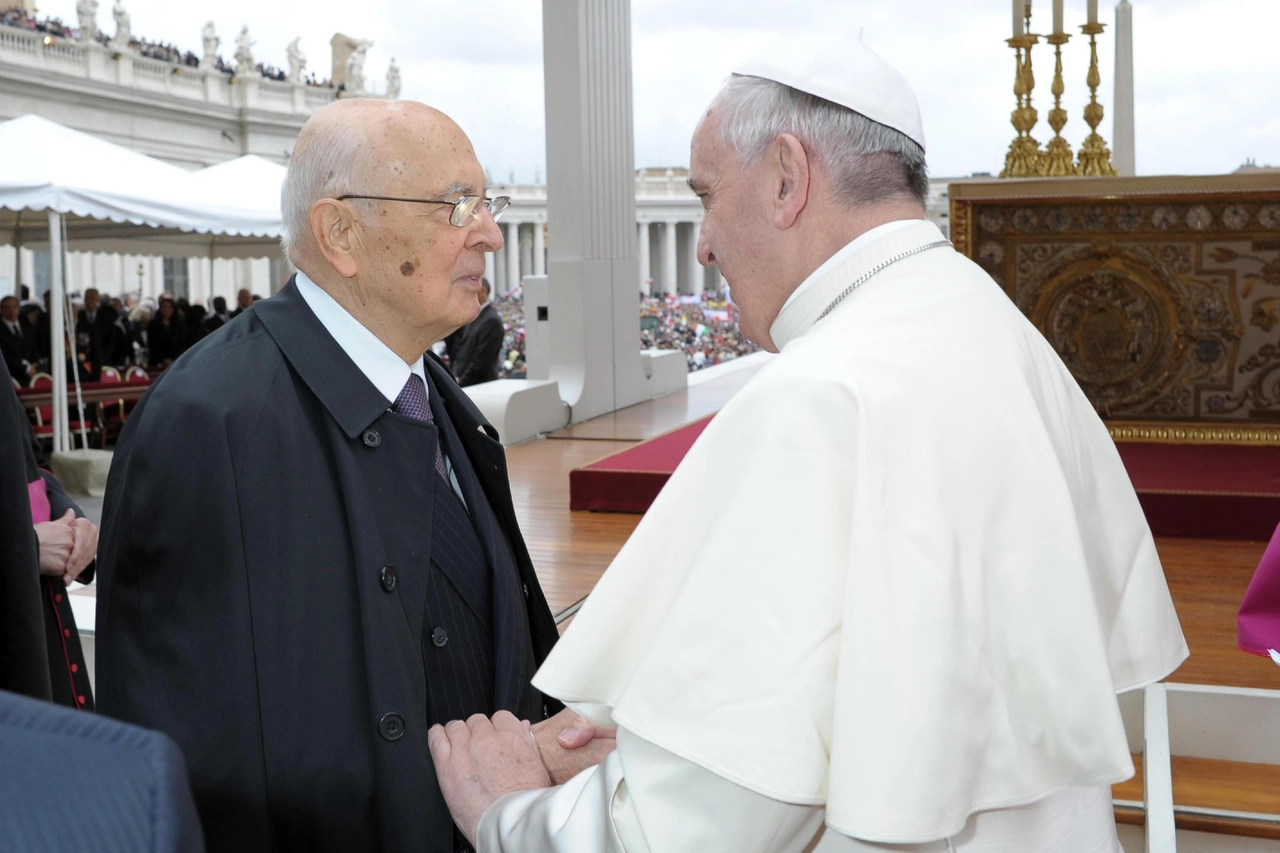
(310, 552)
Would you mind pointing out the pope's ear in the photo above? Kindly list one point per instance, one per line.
(331, 229)
(791, 180)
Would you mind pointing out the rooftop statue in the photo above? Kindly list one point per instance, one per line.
(297, 61)
(120, 40)
(87, 12)
(244, 52)
(393, 80)
(211, 42)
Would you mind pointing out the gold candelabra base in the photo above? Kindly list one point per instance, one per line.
(1058, 160)
(1095, 158)
(1024, 159)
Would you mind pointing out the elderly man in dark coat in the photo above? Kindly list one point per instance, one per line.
(309, 550)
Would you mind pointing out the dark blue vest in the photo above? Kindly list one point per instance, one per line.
(477, 650)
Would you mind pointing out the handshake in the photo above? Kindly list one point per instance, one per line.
(480, 760)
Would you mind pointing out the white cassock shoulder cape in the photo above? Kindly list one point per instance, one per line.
(903, 573)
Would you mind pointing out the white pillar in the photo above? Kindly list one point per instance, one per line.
(539, 249)
(526, 251)
(645, 274)
(669, 258)
(490, 270)
(694, 268)
(57, 333)
(513, 255)
(1122, 130)
(591, 205)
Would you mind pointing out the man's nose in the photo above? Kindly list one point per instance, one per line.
(705, 256)
(485, 231)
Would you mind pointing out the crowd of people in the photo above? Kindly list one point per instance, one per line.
(24, 20)
(110, 331)
(164, 51)
(704, 327)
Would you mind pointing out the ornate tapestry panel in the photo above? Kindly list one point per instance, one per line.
(1161, 295)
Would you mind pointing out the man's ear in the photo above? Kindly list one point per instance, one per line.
(331, 230)
(791, 180)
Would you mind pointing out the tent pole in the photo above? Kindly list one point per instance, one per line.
(58, 331)
(84, 433)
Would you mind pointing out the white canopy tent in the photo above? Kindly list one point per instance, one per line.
(59, 186)
(250, 181)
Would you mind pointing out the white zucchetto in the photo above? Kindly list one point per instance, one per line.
(844, 71)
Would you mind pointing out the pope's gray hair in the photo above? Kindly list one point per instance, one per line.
(867, 161)
(324, 164)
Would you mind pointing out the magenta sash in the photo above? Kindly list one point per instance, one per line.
(1259, 619)
(40, 509)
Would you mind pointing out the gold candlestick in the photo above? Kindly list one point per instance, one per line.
(1025, 159)
(1058, 159)
(1095, 157)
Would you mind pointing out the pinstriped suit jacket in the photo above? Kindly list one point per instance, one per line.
(129, 785)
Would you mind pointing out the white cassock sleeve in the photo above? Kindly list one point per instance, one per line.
(641, 799)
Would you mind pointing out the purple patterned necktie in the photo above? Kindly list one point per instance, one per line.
(414, 403)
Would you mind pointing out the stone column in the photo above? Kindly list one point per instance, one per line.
(539, 249)
(694, 268)
(645, 274)
(669, 276)
(591, 205)
(526, 252)
(512, 238)
(490, 271)
(1122, 130)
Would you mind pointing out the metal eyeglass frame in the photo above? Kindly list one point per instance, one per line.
(465, 209)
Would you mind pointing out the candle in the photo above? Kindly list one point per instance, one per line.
(1019, 8)
(1057, 17)
(1093, 11)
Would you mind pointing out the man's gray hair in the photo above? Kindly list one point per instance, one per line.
(866, 161)
(324, 166)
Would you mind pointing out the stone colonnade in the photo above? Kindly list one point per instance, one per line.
(197, 279)
(667, 250)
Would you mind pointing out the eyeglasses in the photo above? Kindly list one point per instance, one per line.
(465, 209)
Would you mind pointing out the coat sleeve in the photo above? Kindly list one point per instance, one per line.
(175, 642)
(643, 798)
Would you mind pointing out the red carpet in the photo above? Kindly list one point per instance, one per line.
(1200, 490)
(630, 480)
(1205, 490)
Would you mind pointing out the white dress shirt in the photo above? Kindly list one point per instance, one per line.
(378, 362)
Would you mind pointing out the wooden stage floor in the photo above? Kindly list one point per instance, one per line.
(572, 549)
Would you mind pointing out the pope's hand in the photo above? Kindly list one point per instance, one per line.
(570, 743)
(480, 760)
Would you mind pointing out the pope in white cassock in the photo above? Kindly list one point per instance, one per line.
(906, 627)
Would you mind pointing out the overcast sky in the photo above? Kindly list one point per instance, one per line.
(1207, 73)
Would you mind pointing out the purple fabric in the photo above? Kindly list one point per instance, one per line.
(413, 403)
(40, 509)
(1259, 619)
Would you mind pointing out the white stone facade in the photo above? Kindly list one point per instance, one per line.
(195, 117)
(192, 117)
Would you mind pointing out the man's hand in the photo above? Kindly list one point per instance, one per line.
(570, 743)
(479, 761)
(85, 550)
(67, 546)
(57, 542)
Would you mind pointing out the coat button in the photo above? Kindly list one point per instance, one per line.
(371, 438)
(389, 578)
(391, 727)
(526, 591)
(439, 636)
